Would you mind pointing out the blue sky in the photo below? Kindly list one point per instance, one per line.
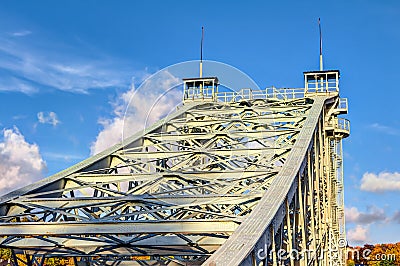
(67, 66)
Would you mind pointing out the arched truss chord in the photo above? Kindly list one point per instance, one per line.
(219, 183)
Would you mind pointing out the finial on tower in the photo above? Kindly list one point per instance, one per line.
(201, 52)
(321, 66)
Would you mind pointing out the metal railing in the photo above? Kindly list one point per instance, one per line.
(318, 86)
(250, 94)
(199, 93)
(268, 93)
(342, 105)
(342, 124)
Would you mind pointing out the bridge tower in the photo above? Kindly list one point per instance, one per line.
(253, 177)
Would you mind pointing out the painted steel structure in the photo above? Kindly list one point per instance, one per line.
(230, 178)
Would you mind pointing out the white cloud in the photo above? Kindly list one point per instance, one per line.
(21, 33)
(138, 108)
(49, 118)
(385, 129)
(358, 234)
(62, 156)
(30, 68)
(373, 214)
(19, 117)
(110, 134)
(351, 214)
(382, 182)
(15, 84)
(20, 161)
(396, 217)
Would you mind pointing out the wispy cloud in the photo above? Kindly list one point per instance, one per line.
(20, 162)
(62, 156)
(10, 83)
(21, 33)
(48, 118)
(382, 182)
(385, 129)
(19, 117)
(27, 68)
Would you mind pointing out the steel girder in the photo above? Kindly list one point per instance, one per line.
(214, 180)
(300, 219)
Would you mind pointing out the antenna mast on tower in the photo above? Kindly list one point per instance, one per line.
(201, 52)
(321, 66)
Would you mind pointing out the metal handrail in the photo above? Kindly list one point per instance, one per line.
(268, 93)
(322, 86)
(250, 94)
(342, 124)
(342, 104)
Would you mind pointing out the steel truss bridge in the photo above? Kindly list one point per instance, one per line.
(229, 178)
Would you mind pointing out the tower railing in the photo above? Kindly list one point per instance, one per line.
(268, 93)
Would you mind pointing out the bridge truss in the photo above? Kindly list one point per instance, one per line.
(244, 178)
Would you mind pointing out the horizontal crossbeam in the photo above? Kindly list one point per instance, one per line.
(122, 227)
